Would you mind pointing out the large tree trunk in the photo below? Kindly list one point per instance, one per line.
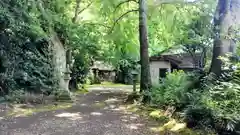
(145, 83)
(226, 22)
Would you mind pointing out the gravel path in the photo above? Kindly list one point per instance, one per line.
(96, 113)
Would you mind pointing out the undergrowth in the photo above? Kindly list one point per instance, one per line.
(215, 105)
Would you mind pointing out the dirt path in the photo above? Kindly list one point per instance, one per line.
(96, 113)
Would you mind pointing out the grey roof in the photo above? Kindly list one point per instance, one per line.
(182, 60)
(101, 65)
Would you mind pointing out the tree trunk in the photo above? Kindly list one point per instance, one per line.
(226, 23)
(77, 8)
(145, 83)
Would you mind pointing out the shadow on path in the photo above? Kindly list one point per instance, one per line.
(99, 112)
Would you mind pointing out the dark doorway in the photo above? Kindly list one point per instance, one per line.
(163, 72)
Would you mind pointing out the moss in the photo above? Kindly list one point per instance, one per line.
(64, 96)
(134, 109)
(166, 125)
(158, 115)
(18, 111)
(82, 91)
(112, 84)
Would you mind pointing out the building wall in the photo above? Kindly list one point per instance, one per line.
(154, 69)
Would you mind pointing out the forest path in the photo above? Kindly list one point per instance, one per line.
(98, 112)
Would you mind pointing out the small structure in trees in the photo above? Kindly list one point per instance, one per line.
(161, 64)
(103, 72)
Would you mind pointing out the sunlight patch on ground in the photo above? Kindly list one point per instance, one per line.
(134, 126)
(96, 114)
(107, 125)
(112, 106)
(107, 84)
(105, 92)
(67, 115)
(98, 105)
(72, 116)
(120, 108)
(124, 120)
(133, 117)
(178, 127)
(18, 111)
(83, 105)
(168, 125)
(132, 108)
(106, 108)
(111, 100)
(111, 87)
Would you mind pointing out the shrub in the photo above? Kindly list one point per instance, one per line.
(173, 90)
(198, 115)
(219, 105)
(90, 78)
(21, 96)
(224, 100)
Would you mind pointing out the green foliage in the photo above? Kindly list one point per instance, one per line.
(24, 49)
(85, 50)
(23, 97)
(15, 96)
(163, 28)
(173, 90)
(26, 58)
(198, 115)
(214, 105)
(90, 78)
(219, 101)
(195, 29)
(80, 67)
(224, 101)
(218, 109)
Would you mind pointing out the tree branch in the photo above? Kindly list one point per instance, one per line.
(123, 2)
(77, 12)
(85, 7)
(74, 19)
(100, 24)
(119, 18)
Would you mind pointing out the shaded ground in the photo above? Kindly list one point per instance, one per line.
(95, 113)
(99, 112)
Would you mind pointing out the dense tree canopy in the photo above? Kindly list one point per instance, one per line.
(125, 33)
